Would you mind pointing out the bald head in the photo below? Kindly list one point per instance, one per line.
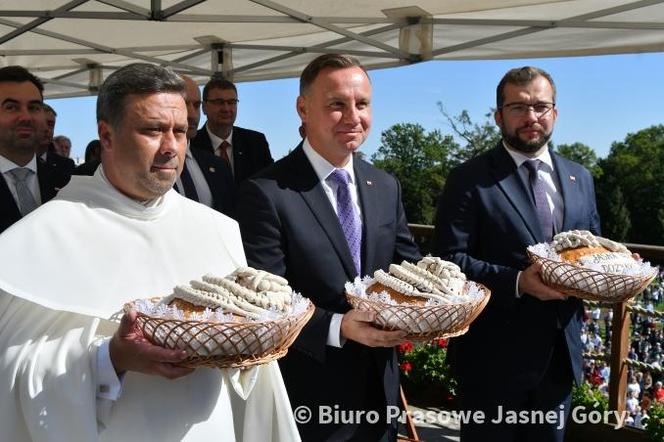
(193, 100)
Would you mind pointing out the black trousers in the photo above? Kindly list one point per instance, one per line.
(535, 415)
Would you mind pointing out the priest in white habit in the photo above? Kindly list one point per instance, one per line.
(69, 371)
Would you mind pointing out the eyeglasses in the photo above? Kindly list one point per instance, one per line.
(221, 101)
(522, 109)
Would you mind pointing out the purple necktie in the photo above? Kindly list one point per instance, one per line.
(348, 216)
(541, 204)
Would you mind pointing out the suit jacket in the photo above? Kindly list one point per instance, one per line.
(486, 219)
(50, 181)
(290, 228)
(55, 161)
(220, 180)
(251, 152)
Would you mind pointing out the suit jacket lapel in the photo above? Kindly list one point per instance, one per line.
(571, 206)
(507, 177)
(45, 178)
(314, 195)
(7, 202)
(238, 155)
(367, 194)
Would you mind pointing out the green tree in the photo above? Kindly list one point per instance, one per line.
(420, 161)
(615, 217)
(477, 138)
(582, 154)
(636, 166)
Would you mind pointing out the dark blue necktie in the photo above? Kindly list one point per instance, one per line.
(541, 204)
(348, 216)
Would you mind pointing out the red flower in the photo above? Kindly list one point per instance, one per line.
(405, 347)
(406, 366)
(442, 343)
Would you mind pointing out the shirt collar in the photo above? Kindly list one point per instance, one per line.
(322, 167)
(519, 158)
(6, 164)
(216, 141)
(155, 202)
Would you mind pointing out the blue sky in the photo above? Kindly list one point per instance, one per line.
(600, 100)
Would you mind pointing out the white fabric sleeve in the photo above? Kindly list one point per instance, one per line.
(108, 386)
(517, 293)
(334, 338)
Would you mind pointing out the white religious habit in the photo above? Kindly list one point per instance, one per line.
(66, 270)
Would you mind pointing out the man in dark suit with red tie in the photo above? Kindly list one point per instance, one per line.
(523, 353)
(245, 150)
(205, 177)
(25, 181)
(320, 217)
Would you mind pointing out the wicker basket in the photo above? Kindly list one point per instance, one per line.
(224, 344)
(424, 323)
(590, 284)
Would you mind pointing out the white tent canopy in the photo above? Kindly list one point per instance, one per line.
(74, 45)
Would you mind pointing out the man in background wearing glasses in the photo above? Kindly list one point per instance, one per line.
(246, 151)
(523, 353)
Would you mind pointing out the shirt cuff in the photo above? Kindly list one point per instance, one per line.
(334, 338)
(109, 385)
(517, 293)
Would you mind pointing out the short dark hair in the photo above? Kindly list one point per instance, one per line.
(521, 76)
(217, 83)
(93, 151)
(19, 74)
(134, 79)
(335, 61)
(48, 108)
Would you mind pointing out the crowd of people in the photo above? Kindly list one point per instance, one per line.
(646, 340)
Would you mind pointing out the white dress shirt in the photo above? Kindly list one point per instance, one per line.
(6, 166)
(551, 185)
(196, 174)
(216, 142)
(323, 170)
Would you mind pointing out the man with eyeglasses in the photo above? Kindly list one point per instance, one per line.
(246, 151)
(492, 208)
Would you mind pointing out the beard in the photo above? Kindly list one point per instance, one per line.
(514, 141)
(158, 182)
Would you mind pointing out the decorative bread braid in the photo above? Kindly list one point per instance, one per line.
(213, 300)
(573, 239)
(420, 281)
(443, 284)
(400, 286)
(441, 268)
(239, 301)
(261, 281)
(246, 295)
(612, 245)
(273, 286)
(583, 238)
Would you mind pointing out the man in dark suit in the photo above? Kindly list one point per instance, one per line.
(26, 181)
(205, 177)
(46, 149)
(245, 150)
(320, 217)
(523, 352)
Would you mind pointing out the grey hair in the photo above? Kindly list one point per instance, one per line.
(134, 79)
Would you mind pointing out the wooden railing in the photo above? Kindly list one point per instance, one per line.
(620, 336)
